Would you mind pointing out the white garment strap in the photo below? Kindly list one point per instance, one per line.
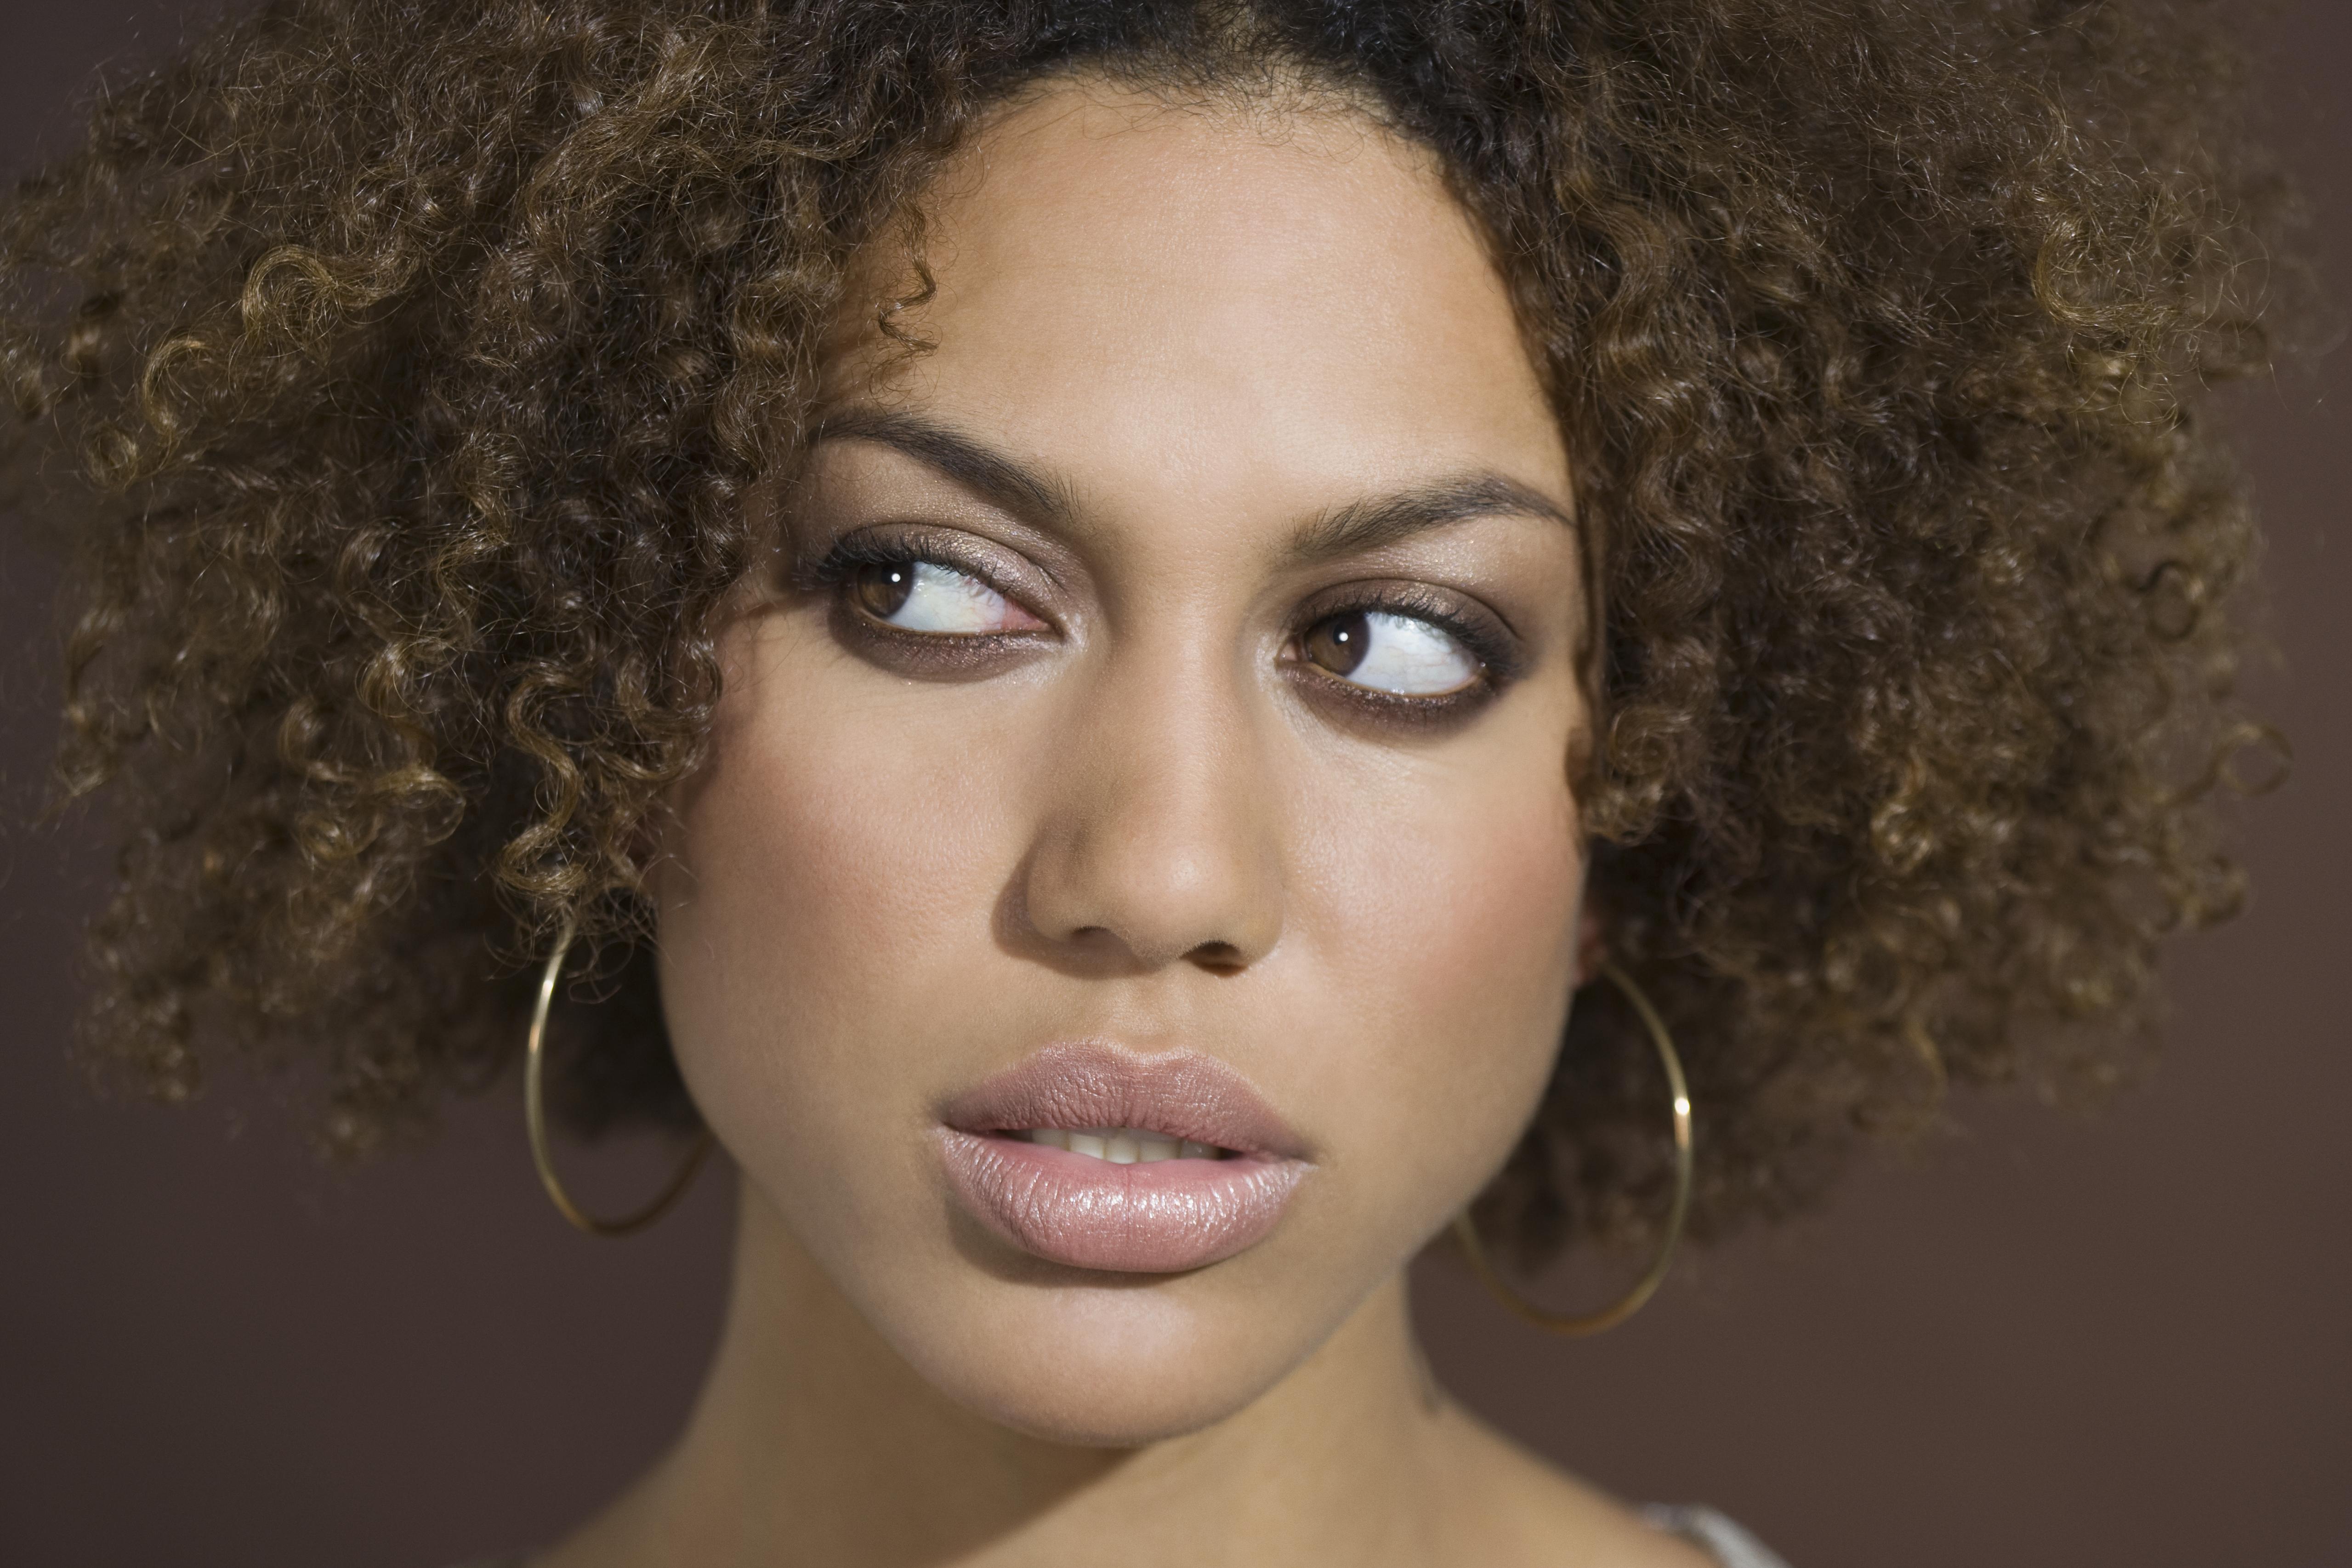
(1732, 1546)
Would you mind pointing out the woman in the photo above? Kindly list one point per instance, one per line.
(1125, 602)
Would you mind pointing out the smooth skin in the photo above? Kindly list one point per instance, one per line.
(1202, 382)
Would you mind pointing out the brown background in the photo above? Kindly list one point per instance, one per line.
(2044, 1340)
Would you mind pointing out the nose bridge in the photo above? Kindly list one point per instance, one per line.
(1159, 836)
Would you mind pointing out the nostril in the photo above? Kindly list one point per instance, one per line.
(1218, 957)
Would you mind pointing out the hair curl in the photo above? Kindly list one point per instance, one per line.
(421, 359)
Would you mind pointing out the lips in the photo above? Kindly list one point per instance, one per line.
(1159, 1217)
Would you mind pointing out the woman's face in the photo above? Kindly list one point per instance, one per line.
(1157, 718)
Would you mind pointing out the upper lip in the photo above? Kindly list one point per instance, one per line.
(1179, 1093)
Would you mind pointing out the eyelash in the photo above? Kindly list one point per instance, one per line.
(832, 573)
(1498, 667)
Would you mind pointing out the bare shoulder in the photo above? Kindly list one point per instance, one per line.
(1519, 1511)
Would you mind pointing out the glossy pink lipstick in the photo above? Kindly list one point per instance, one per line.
(1158, 1215)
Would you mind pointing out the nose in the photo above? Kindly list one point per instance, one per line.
(1158, 843)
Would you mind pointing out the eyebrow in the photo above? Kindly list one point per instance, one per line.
(1377, 520)
(1360, 526)
(971, 463)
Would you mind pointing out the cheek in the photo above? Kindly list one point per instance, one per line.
(830, 956)
(828, 888)
(1447, 928)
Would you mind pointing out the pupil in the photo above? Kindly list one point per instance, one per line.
(881, 590)
(1339, 644)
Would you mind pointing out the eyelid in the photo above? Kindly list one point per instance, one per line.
(884, 544)
(1489, 638)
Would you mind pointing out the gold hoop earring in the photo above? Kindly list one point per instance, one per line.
(535, 1119)
(1576, 1324)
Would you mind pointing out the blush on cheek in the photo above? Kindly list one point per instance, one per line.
(1496, 956)
(1452, 952)
(834, 870)
(844, 836)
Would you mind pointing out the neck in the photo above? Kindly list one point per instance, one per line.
(814, 1442)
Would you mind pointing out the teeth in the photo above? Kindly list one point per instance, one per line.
(1121, 1145)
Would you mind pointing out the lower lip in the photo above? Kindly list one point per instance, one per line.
(1159, 1217)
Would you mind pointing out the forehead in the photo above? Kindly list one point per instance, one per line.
(1260, 299)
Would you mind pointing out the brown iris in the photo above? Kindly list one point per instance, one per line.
(1339, 643)
(881, 590)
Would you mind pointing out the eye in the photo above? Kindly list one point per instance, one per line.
(925, 596)
(1402, 655)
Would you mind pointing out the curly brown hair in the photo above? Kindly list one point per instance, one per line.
(421, 359)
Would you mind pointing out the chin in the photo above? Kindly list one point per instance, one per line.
(1115, 1365)
(1111, 1367)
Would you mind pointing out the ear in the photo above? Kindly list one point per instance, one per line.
(1591, 945)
